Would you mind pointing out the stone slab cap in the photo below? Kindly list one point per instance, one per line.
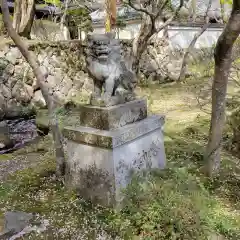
(114, 117)
(113, 138)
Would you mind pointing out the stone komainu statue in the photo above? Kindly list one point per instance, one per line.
(114, 83)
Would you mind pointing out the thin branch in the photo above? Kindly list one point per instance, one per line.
(140, 9)
(208, 8)
(189, 49)
(161, 9)
(64, 15)
(171, 18)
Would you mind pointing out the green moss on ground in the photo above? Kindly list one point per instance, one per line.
(5, 157)
(176, 203)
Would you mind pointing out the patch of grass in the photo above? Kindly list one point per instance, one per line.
(171, 204)
(176, 203)
(5, 157)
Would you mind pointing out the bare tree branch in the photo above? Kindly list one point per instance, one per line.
(207, 11)
(171, 18)
(192, 44)
(161, 9)
(140, 9)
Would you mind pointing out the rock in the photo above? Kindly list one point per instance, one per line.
(5, 140)
(152, 78)
(2, 101)
(60, 98)
(66, 86)
(5, 91)
(11, 81)
(19, 71)
(22, 92)
(79, 79)
(183, 12)
(15, 222)
(12, 55)
(41, 57)
(14, 109)
(38, 100)
(55, 61)
(58, 74)
(150, 66)
(18, 224)
(214, 14)
(3, 51)
(72, 93)
(10, 69)
(173, 70)
(44, 71)
(52, 81)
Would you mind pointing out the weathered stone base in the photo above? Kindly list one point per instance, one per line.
(99, 172)
(110, 118)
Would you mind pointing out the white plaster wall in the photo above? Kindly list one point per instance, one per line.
(181, 37)
(129, 32)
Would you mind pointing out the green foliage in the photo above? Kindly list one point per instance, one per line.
(80, 17)
(54, 2)
(120, 23)
(226, 2)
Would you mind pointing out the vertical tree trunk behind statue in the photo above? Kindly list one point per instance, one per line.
(24, 11)
(222, 56)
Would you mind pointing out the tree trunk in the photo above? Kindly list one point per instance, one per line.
(63, 18)
(194, 10)
(152, 12)
(24, 11)
(222, 56)
(17, 15)
(140, 43)
(189, 50)
(31, 59)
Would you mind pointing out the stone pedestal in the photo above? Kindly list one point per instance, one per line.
(112, 144)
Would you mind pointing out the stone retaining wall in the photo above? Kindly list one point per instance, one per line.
(62, 63)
